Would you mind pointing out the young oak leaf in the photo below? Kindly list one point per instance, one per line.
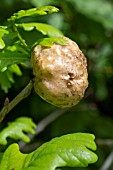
(16, 130)
(12, 159)
(33, 12)
(41, 27)
(73, 150)
(7, 78)
(3, 31)
(48, 42)
(10, 57)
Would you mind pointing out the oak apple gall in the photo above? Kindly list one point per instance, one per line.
(60, 72)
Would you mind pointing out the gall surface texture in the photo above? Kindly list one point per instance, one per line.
(60, 72)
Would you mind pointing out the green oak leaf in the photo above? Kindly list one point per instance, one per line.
(13, 55)
(33, 12)
(3, 31)
(15, 69)
(72, 150)
(41, 27)
(12, 159)
(8, 58)
(1, 154)
(6, 79)
(16, 130)
(48, 42)
(6, 76)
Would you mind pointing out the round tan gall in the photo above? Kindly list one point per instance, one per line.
(60, 72)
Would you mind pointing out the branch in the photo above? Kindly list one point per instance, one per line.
(106, 165)
(43, 124)
(105, 142)
(9, 106)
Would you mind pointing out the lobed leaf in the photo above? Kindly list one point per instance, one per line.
(12, 159)
(3, 31)
(33, 12)
(43, 28)
(15, 69)
(6, 76)
(68, 150)
(12, 56)
(49, 41)
(73, 150)
(16, 130)
(8, 58)
(6, 79)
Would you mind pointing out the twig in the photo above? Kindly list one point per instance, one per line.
(43, 124)
(106, 165)
(23, 94)
(105, 142)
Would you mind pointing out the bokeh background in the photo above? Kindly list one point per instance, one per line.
(90, 24)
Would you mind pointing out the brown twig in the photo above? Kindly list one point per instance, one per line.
(105, 142)
(41, 126)
(23, 94)
(108, 162)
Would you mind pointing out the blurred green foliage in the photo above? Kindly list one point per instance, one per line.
(90, 24)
